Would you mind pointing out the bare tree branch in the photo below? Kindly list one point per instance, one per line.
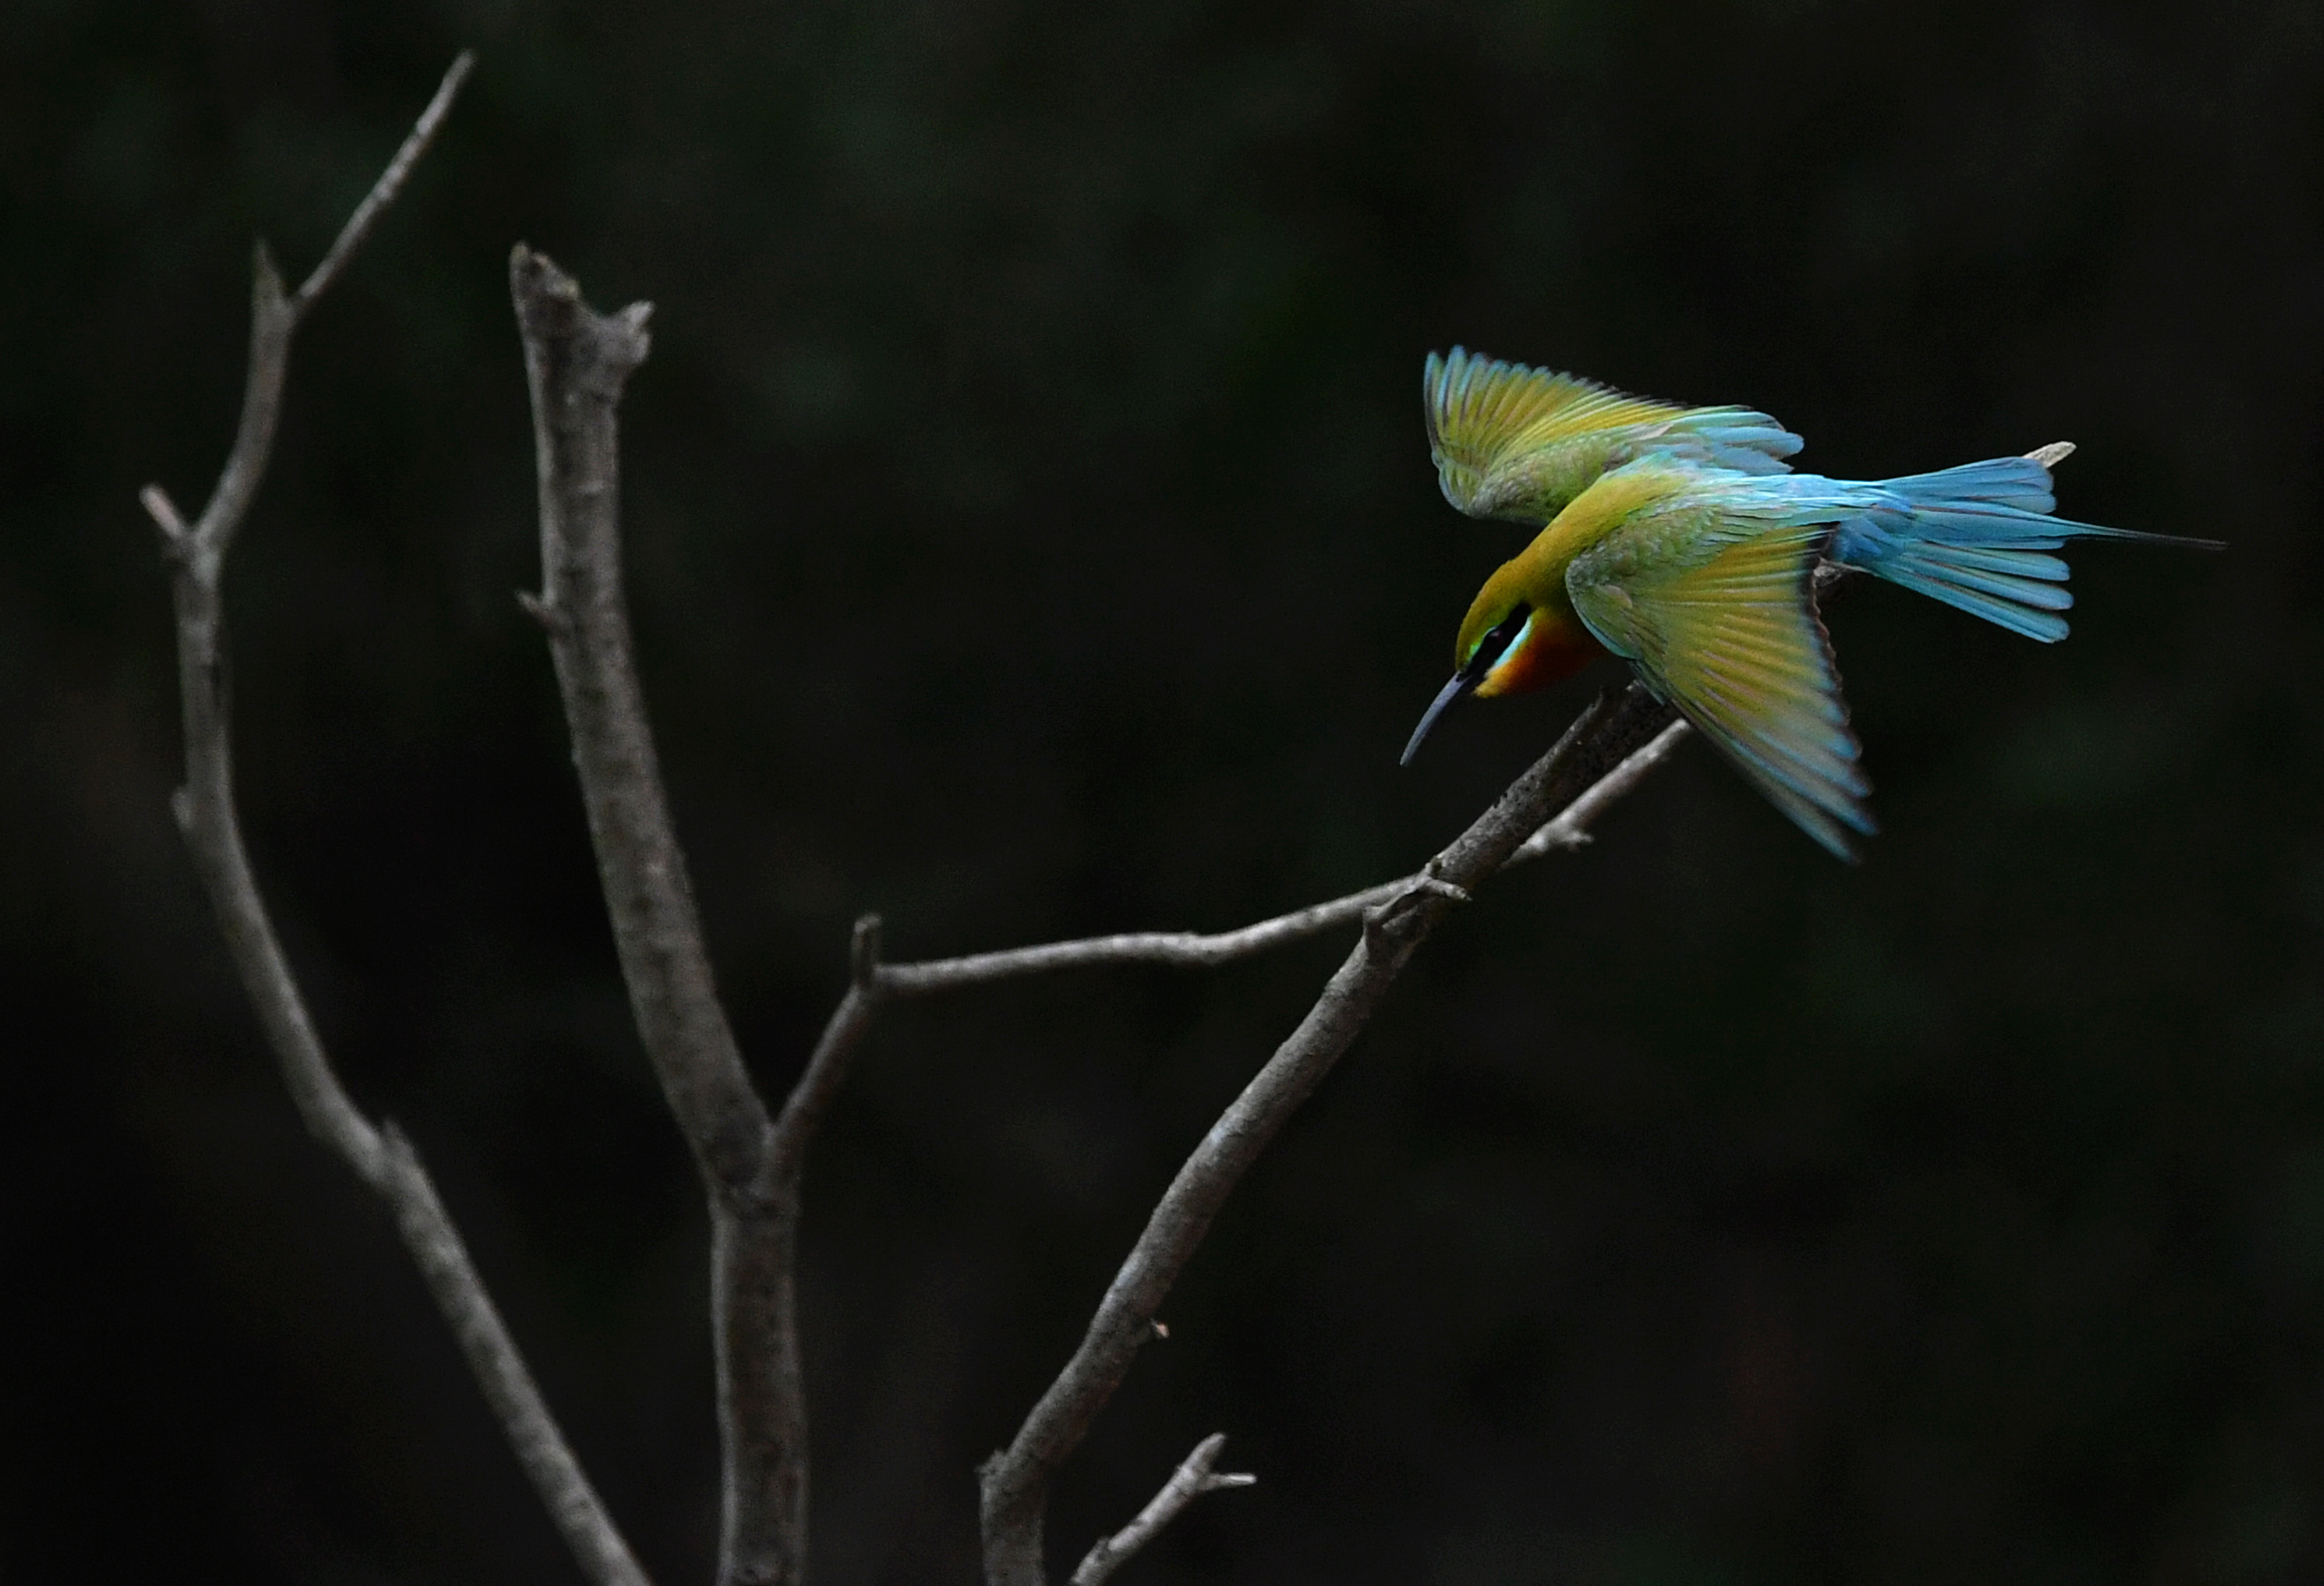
(872, 980)
(577, 362)
(500, 1370)
(1016, 1481)
(1188, 1482)
(1181, 948)
(1569, 830)
(205, 543)
(205, 811)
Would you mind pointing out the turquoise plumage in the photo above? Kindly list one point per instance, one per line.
(1976, 537)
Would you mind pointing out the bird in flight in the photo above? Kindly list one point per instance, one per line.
(1677, 539)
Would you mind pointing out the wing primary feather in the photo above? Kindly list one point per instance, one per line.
(1515, 442)
(1715, 608)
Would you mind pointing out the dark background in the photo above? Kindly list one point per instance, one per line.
(1032, 535)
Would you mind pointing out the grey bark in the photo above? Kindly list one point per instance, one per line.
(577, 362)
(207, 818)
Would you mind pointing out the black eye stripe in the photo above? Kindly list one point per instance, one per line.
(1495, 642)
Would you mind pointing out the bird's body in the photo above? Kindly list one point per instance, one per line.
(1701, 573)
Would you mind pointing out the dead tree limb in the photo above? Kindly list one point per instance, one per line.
(1605, 756)
(1015, 1482)
(204, 810)
(577, 362)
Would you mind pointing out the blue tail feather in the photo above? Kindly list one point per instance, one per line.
(2010, 481)
(2015, 564)
(1974, 538)
(1934, 562)
(2045, 626)
(2018, 605)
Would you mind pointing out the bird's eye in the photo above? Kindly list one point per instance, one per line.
(1496, 641)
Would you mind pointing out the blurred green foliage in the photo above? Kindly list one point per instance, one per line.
(1032, 534)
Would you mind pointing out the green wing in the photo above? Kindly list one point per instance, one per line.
(1713, 608)
(1515, 442)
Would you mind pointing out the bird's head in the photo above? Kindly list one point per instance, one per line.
(1500, 646)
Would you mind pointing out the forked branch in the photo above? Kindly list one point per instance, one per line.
(577, 362)
(204, 810)
(1613, 748)
(1188, 1482)
(1016, 1481)
(872, 981)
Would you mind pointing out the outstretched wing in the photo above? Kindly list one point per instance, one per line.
(1711, 605)
(1515, 442)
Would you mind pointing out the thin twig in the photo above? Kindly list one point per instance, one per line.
(1180, 948)
(1188, 1482)
(204, 810)
(1193, 948)
(390, 183)
(1016, 1481)
(203, 545)
(577, 362)
(1572, 828)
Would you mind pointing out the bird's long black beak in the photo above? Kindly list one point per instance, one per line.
(1462, 681)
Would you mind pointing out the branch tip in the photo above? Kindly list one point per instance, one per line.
(265, 278)
(863, 951)
(2050, 456)
(166, 517)
(538, 608)
(551, 313)
(390, 183)
(524, 261)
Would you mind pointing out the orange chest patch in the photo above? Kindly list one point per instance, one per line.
(1554, 649)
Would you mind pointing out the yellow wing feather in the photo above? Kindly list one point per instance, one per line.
(1717, 615)
(1519, 443)
(1502, 434)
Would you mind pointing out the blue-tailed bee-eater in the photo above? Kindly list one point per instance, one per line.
(1676, 538)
